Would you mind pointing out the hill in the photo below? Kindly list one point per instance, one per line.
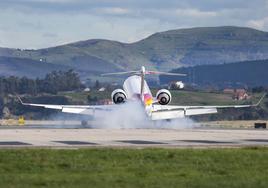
(248, 73)
(163, 51)
(20, 67)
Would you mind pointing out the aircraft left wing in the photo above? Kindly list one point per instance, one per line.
(170, 111)
(75, 109)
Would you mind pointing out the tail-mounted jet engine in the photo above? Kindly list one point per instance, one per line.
(119, 96)
(163, 96)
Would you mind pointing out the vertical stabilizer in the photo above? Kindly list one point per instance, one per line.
(142, 82)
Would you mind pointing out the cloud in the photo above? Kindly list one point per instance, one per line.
(50, 1)
(194, 13)
(112, 11)
(258, 24)
(43, 23)
(50, 35)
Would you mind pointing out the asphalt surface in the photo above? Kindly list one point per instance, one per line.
(79, 137)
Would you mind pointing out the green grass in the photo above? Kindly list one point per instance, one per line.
(244, 167)
(82, 96)
(209, 98)
(201, 98)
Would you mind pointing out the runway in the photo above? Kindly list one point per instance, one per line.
(133, 138)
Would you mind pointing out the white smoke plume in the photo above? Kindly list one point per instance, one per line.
(131, 115)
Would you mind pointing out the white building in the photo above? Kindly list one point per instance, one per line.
(102, 89)
(179, 84)
(176, 85)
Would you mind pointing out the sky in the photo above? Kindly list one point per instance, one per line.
(34, 24)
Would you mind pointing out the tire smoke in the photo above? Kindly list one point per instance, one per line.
(131, 115)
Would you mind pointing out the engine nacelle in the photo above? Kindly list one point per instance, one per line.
(119, 96)
(163, 96)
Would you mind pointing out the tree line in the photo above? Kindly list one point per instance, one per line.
(52, 83)
(247, 73)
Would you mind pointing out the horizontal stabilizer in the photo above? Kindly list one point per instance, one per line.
(143, 72)
(164, 73)
(120, 73)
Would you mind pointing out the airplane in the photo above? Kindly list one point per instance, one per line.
(135, 88)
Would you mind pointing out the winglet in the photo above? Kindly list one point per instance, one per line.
(20, 100)
(259, 102)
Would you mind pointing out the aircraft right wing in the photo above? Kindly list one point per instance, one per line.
(170, 111)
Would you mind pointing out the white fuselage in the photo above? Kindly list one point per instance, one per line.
(132, 87)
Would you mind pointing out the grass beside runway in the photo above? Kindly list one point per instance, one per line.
(244, 167)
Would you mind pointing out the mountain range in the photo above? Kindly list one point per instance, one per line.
(162, 51)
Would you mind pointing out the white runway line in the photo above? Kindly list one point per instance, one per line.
(133, 137)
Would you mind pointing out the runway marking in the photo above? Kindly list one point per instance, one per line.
(75, 142)
(140, 138)
(208, 141)
(14, 143)
(142, 142)
(257, 140)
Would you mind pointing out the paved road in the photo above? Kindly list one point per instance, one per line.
(140, 138)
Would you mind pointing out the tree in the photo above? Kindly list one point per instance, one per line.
(259, 89)
(97, 84)
(1, 106)
(92, 100)
(12, 83)
(52, 83)
(2, 86)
